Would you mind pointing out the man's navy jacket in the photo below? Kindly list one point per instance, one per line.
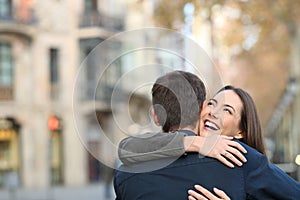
(256, 179)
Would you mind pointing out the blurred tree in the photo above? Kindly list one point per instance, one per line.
(261, 39)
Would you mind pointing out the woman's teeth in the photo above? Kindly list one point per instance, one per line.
(211, 125)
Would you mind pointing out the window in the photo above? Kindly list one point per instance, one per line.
(6, 66)
(91, 68)
(90, 6)
(54, 72)
(6, 71)
(54, 66)
(91, 16)
(5, 9)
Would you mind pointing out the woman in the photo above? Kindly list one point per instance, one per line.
(231, 111)
(234, 110)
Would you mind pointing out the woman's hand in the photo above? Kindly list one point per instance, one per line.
(217, 146)
(193, 195)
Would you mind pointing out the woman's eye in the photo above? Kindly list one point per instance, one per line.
(228, 111)
(210, 103)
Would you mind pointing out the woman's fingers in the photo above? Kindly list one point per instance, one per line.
(206, 195)
(224, 161)
(191, 198)
(232, 158)
(225, 150)
(238, 146)
(221, 194)
(195, 195)
(205, 192)
(234, 144)
(232, 152)
(235, 150)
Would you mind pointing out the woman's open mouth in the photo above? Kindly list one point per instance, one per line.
(211, 125)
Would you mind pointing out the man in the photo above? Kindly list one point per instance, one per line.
(177, 98)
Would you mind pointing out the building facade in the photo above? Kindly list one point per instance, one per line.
(42, 44)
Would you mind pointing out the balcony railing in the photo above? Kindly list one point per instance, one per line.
(102, 94)
(99, 20)
(19, 15)
(19, 21)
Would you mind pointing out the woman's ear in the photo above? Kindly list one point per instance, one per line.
(155, 118)
(203, 104)
(201, 108)
(238, 135)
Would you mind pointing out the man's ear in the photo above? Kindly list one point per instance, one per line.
(155, 118)
(198, 124)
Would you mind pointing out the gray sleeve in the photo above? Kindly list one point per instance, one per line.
(151, 146)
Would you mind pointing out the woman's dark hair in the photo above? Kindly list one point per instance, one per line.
(250, 123)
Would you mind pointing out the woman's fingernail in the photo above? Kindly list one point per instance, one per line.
(197, 186)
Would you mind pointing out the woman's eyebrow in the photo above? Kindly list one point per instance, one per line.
(214, 100)
(227, 105)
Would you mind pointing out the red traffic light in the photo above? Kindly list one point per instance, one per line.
(53, 123)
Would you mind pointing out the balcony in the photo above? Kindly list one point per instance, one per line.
(95, 19)
(18, 21)
(99, 98)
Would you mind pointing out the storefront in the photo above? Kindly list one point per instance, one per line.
(9, 152)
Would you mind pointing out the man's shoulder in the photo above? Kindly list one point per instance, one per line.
(192, 158)
(187, 170)
(254, 158)
(171, 162)
(251, 152)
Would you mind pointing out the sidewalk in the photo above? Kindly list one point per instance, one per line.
(90, 192)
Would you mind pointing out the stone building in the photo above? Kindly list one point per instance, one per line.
(42, 44)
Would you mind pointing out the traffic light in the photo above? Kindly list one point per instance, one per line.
(54, 123)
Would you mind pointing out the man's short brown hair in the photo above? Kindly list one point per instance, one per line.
(177, 98)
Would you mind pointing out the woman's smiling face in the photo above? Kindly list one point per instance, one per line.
(222, 114)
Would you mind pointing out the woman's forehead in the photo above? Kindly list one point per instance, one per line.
(229, 97)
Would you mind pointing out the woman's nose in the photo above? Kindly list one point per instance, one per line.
(212, 113)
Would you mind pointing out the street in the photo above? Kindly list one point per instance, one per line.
(90, 192)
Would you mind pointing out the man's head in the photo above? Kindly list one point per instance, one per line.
(177, 98)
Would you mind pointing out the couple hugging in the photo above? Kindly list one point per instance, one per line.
(224, 129)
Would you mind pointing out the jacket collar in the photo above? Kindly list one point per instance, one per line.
(186, 132)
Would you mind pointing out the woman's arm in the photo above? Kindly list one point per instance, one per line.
(152, 146)
(217, 146)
